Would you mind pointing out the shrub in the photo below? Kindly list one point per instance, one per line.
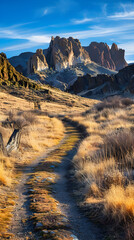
(111, 102)
(119, 145)
(114, 102)
(119, 202)
(127, 101)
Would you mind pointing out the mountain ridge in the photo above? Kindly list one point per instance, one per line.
(65, 52)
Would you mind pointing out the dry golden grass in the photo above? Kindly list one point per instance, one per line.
(119, 202)
(39, 131)
(5, 175)
(105, 160)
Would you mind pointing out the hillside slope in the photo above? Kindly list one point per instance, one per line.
(10, 77)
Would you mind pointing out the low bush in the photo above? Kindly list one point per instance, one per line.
(114, 102)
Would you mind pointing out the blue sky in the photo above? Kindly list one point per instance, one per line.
(29, 24)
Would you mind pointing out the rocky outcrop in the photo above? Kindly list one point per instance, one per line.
(65, 52)
(10, 77)
(89, 82)
(37, 62)
(125, 78)
(118, 57)
(112, 58)
(103, 83)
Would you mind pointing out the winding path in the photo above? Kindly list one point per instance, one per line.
(81, 227)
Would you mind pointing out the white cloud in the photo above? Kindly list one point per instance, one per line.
(20, 46)
(45, 11)
(96, 31)
(130, 61)
(32, 41)
(126, 14)
(33, 38)
(123, 16)
(39, 38)
(82, 21)
(104, 9)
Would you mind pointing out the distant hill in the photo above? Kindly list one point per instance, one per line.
(20, 62)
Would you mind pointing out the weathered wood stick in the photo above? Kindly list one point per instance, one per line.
(14, 141)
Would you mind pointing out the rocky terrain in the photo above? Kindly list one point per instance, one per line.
(112, 58)
(65, 78)
(105, 84)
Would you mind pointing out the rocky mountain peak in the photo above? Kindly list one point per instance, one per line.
(101, 53)
(118, 56)
(114, 47)
(37, 62)
(65, 52)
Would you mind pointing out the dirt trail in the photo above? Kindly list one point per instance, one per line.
(81, 227)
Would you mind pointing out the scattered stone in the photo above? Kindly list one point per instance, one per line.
(52, 166)
(65, 220)
(74, 237)
(39, 225)
(50, 178)
(43, 180)
(45, 231)
(31, 190)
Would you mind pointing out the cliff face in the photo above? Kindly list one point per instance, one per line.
(10, 77)
(37, 62)
(64, 52)
(101, 53)
(118, 56)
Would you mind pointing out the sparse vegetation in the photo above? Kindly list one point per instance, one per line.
(105, 161)
(114, 102)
